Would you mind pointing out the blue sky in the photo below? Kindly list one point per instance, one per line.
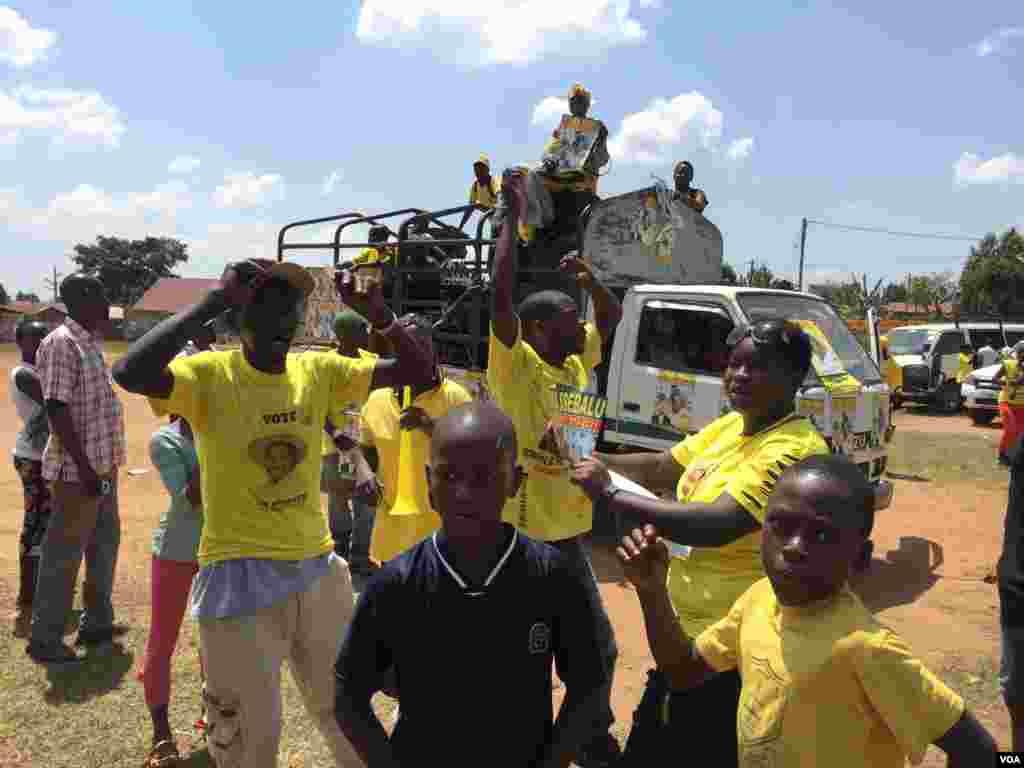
(219, 122)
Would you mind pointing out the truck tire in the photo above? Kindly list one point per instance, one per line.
(982, 418)
(947, 400)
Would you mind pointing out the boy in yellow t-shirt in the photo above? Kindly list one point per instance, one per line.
(864, 699)
(1011, 401)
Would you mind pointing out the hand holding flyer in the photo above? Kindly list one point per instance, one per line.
(573, 432)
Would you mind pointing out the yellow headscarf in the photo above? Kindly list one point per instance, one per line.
(578, 89)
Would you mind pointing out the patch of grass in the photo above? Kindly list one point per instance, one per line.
(946, 457)
(977, 680)
(94, 714)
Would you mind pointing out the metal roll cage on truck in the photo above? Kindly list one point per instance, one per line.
(663, 366)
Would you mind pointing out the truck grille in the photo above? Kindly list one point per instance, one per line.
(916, 377)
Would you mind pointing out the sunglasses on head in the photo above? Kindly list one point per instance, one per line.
(765, 332)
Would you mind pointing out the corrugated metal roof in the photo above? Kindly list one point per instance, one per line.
(173, 294)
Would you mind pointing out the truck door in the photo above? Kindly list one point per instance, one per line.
(669, 372)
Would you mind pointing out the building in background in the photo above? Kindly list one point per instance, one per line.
(166, 297)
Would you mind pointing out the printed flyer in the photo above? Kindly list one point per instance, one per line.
(572, 434)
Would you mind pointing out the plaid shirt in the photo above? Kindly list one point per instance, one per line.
(73, 371)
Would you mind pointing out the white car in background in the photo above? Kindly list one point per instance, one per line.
(981, 394)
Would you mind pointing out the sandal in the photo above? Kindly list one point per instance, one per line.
(164, 754)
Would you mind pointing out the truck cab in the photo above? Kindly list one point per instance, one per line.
(664, 374)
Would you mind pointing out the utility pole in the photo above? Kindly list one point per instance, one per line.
(54, 284)
(803, 242)
(750, 273)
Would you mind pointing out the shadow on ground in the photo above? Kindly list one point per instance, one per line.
(102, 671)
(903, 575)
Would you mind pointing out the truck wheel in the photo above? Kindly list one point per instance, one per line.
(982, 418)
(948, 399)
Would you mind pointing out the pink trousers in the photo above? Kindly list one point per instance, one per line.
(171, 583)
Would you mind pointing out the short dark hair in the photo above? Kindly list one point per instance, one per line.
(79, 287)
(788, 340)
(421, 324)
(29, 327)
(841, 470)
(543, 305)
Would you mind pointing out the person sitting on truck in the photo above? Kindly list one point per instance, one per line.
(987, 356)
(531, 350)
(723, 476)
(682, 175)
(378, 252)
(1011, 401)
(484, 189)
(556, 197)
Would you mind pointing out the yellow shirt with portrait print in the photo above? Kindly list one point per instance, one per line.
(1012, 392)
(239, 415)
(864, 699)
(721, 459)
(548, 507)
(337, 415)
(393, 534)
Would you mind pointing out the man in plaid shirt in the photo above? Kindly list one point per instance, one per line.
(81, 460)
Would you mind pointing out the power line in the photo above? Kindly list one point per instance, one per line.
(895, 233)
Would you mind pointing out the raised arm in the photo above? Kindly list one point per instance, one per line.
(504, 319)
(645, 559)
(607, 309)
(143, 369)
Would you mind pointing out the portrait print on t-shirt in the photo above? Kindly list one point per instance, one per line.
(281, 457)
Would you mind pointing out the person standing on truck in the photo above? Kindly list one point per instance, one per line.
(987, 356)
(531, 351)
(269, 585)
(682, 175)
(723, 476)
(484, 189)
(1011, 401)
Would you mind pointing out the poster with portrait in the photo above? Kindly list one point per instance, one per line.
(281, 457)
(576, 139)
(573, 432)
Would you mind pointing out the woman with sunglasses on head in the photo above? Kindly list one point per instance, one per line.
(723, 476)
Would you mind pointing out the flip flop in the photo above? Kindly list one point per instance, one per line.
(164, 754)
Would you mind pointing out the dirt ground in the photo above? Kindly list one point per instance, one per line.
(933, 549)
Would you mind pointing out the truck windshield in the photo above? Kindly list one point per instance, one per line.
(907, 342)
(836, 351)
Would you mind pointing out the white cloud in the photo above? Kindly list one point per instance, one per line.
(247, 190)
(740, 149)
(1000, 41)
(548, 111)
(167, 198)
(652, 137)
(183, 164)
(69, 116)
(330, 183)
(970, 169)
(22, 45)
(501, 31)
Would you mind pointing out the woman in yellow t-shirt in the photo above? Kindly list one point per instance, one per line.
(722, 475)
(1011, 401)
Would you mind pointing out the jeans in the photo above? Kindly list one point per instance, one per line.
(578, 554)
(363, 515)
(663, 721)
(79, 525)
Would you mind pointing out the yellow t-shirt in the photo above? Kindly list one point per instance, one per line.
(548, 507)
(337, 415)
(719, 459)
(393, 534)
(1012, 392)
(893, 374)
(965, 368)
(485, 195)
(864, 700)
(259, 433)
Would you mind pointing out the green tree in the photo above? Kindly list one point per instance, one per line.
(783, 285)
(931, 291)
(894, 292)
(760, 277)
(993, 278)
(4, 298)
(729, 275)
(30, 297)
(129, 268)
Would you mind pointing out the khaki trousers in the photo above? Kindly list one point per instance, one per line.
(242, 657)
